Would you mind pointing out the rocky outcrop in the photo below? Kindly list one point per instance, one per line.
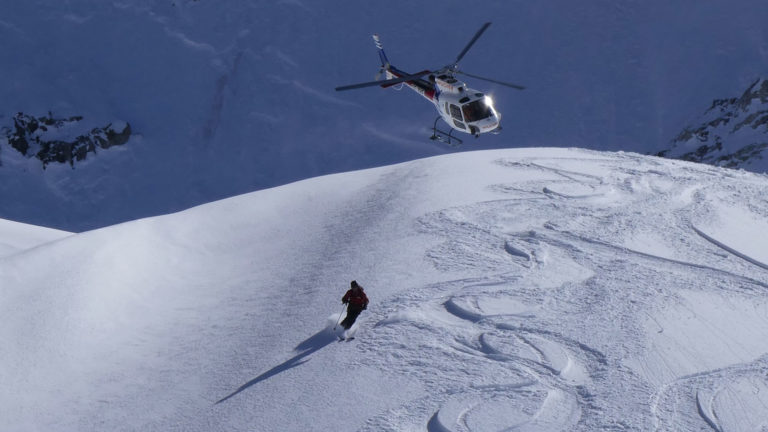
(60, 140)
(732, 132)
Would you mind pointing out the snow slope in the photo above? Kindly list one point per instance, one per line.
(228, 96)
(16, 237)
(528, 289)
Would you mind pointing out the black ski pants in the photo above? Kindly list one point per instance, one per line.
(352, 313)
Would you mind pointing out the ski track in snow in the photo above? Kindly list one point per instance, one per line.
(706, 392)
(554, 303)
(529, 372)
(729, 249)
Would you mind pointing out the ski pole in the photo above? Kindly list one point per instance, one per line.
(339, 320)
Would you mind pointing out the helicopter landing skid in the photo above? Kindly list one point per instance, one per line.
(444, 137)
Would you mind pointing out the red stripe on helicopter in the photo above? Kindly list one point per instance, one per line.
(423, 87)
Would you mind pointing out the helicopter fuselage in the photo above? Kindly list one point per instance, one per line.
(464, 109)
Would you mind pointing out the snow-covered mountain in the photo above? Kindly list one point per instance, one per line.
(528, 289)
(732, 132)
(229, 96)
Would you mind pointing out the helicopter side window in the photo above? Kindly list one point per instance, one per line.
(459, 124)
(456, 112)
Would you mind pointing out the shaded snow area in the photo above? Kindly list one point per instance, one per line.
(515, 290)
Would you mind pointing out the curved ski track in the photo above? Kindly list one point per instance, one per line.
(543, 328)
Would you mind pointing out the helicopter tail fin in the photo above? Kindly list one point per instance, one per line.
(382, 55)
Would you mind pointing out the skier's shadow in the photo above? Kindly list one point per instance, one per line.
(320, 340)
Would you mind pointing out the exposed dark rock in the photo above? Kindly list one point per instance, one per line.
(45, 138)
(733, 132)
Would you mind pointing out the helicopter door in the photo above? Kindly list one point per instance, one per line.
(456, 114)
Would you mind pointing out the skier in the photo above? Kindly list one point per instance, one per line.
(357, 302)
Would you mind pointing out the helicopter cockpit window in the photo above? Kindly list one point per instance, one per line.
(455, 112)
(476, 110)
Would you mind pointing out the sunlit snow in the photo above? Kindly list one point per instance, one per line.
(530, 289)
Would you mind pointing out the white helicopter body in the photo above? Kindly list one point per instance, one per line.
(462, 108)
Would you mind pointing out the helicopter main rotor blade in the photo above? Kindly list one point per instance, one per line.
(383, 82)
(514, 86)
(472, 42)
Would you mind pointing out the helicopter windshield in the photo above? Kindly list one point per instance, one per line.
(477, 110)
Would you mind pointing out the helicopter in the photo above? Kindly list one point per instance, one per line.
(460, 107)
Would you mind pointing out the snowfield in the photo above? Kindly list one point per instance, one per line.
(16, 237)
(526, 290)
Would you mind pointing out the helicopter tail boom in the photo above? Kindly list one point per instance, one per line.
(417, 84)
(382, 55)
(394, 76)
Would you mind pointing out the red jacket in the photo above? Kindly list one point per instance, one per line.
(357, 299)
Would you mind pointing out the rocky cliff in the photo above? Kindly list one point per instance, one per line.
(61, 140)
(731, 133)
